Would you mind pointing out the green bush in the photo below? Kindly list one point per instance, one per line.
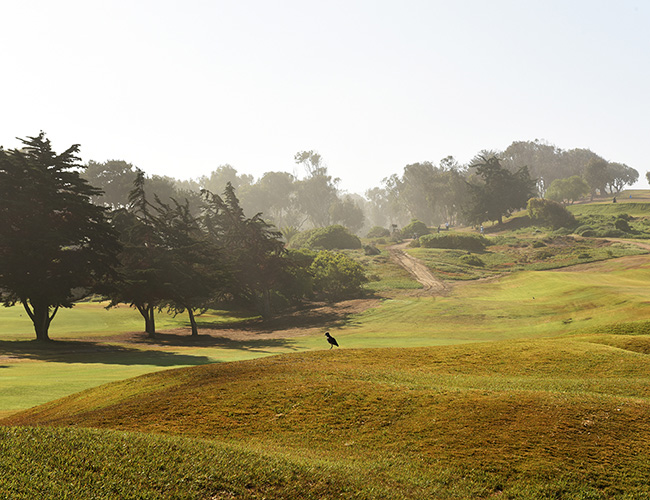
(581, 229)
(611, 233)
(472, 260)
(414, 229)
(371, 250)
(622, 225)
(378, 232)
(538, 244)
(328, 238)
(336, 275)
(462, 241)
(549, 213)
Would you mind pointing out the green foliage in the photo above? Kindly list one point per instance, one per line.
(462, 241)
(336, 275)
(371, 250)
(378, 232)
(567, 190)
(622, 224)
(414, 229)
(549, 213)
(328, 238)
(499, 194)
(472, 260)
(55, 245)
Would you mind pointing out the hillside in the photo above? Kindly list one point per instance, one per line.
(529, 377)
(563, 415)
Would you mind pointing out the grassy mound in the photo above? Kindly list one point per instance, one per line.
(532, 419)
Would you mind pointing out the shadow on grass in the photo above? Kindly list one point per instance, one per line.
(203, 340)
(322, 315)
(102, 353)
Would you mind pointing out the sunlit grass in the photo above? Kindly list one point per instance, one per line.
(556, 418)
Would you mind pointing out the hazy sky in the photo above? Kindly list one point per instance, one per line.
(180, 87)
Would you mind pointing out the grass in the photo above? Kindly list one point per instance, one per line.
(532, 385)
(509, 254)
(547, 418)
(522, 305)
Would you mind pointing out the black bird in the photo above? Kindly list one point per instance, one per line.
(331, 340)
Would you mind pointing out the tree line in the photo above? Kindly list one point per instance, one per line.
(446, 192)
(149, 250)
(68, 230)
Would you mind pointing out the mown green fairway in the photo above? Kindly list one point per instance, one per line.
(523, 305)
(533, 385)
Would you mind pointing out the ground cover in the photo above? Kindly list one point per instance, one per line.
(547, 418)
(509, 253)
(522, 305)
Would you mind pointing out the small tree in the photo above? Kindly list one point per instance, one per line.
(55, 245)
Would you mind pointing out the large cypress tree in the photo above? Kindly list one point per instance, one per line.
(55, 245)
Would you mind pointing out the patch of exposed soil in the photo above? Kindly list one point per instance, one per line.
(431, 284)
(301, 322)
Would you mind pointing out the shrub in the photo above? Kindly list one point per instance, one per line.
(336, 275)
(544, 254)
(622, 225)
(581, 229)
(371, 250)
(463, 241)
(472, 260)
(611, 233)
(378, 232)
(538, 244)
(414, 229)
(549, 213)
(588, 233)
(327, 238)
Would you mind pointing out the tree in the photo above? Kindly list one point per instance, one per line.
(567, 190)
(192, 264)
(596, 176)
(317, 192)
(55, 245)
(347, 213)
(141, 282)
(619, 176)
(500, 192)
(115, 178)
(253, 249)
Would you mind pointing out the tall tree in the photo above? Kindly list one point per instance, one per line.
(193, 270)
(142, 269)
(253, 248)
(500, 191)
(55, 244)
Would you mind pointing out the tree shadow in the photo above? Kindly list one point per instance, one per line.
(207, 340)
(73, 351)
(317, 315)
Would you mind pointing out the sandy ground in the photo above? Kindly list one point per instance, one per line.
(420, 272)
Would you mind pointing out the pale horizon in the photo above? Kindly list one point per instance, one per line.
(179, 89)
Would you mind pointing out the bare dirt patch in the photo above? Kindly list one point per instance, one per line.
(432, 285)
(301, 322)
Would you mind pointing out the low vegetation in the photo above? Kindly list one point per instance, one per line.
(533, 385)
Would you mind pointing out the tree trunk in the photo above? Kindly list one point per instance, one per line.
(41, 318)
(265, 303)
(147, 312)
(195, 330)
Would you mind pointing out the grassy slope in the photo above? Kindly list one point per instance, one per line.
(550, 417)
(565, 301)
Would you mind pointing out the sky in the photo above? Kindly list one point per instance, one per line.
(179, 88)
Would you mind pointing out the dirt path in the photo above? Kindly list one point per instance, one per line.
(420, 272)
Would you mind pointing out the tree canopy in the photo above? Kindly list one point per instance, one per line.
(55, 245)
